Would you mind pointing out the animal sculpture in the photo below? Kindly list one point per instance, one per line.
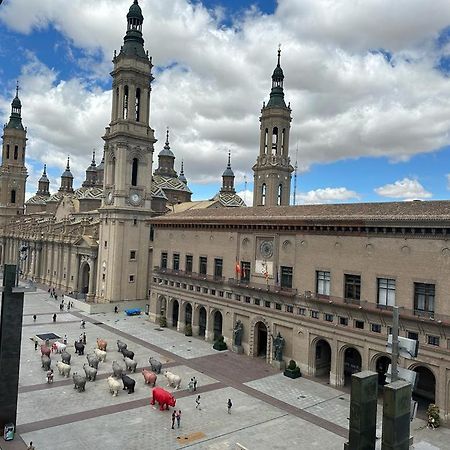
(117, 369)
(101, 354)
(127, 353)
(45, 350)
(79, 348)
(58, 347)
(92, 360)
(65, 357)
(79, 382)
(46, 361)
(91, 372)
(120, 345)
(63, 369)
(130, 364)
(149, 377)
(155, 365)
(164, 398)
(172, 379)
(114, 386)
(101, 344)
(128, 383)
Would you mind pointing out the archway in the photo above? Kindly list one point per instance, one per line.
(217, 325)
(425, 390)
(84, 285)
(352, 363)
(188, 314)
(202, 321)
(322, 359)
(175, 311)
(162, 306)
(381, 366)
(260, 349)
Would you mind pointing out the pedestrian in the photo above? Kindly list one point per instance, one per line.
(195, 383)
(61, 306)
(71, 304)
(35, 344)
(54, 317)
(80, 339)
(56, 297)
(229, 405)
(62, 296)
(65, 339)
(173, 420)
(68, 306)
(84, 338)
(191, 385)
(116, 309)
(34, 317)
(31, 446)
(178, 416)
(197, 402)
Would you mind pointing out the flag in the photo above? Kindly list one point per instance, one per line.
(264, 271)
(237, 268)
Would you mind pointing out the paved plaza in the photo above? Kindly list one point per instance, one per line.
(269, 410)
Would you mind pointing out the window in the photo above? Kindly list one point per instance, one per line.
(16, 151)
(263, 194)
(315, 314)
(197, 288)
(188, 267)
(134, 172)
(267, 304)
(13, 196)
(247, 299)
(413, 335)
(279, 195)
(138, 104)
(286, 277)
(103, 277)
(134, 222)
(289, 308)
(343, 321)
(229, 295)
(389, 330)
(433, 340)
(237, 297)
(328, 317)
(274, 140)
(245, 271)
(203, 265)
(205, 290)
(163, 260)
(323, 280)
(352, 287)
(131, 278)
(177, 284)
(424, 297)
(132, 254)
(191, 287)
(218, 267)
(375, 327)
(152, 233)
(176, 261)
(183, 286)
(125, 103)
(278, 306)
(221, 293)
(359, 324)
(257, 301)
(213, 292)
(386, 291)
(171, 283)
(301, 311)
(106, 244)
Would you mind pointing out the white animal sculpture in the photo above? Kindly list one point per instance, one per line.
(114, 386)
(172, 379)
(63, 369)
(101, 354)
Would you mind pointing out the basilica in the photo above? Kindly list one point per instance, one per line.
(324, 277)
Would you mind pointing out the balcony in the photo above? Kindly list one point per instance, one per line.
(260, 287)
(190, 275)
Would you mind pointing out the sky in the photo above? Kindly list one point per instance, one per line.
(367, 81)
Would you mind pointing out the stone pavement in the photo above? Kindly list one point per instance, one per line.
(269, 410)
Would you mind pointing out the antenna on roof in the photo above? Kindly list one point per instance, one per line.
(295, 177)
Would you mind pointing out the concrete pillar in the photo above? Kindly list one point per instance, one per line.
(195, 320)
(209, 332)
(181, 316)
(336, 369)
(363, 411)
(396, 416)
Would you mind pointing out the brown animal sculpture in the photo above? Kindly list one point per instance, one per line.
(149, 377)
(101, 344)
(45, 350)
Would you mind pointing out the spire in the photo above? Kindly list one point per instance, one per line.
(166, 150)
(67, 178)
(15, 119)
(277, 93)
(44, 183)
(133, 42)
(93, 158)
(228, 177)
(44, 174)
(182, 178)
(91, 173)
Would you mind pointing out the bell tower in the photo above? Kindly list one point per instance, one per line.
(128, 151)
(13, 173)
(272, 171)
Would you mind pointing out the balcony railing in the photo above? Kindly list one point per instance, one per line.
(260, 287)
(190, 275)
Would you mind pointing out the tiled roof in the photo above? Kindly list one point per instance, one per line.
(228, 199)
(90, 193)
(157, 192)
(416, 211)
(56, 197)
(36, 200)
(169, 183)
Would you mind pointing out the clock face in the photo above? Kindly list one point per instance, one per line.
(135, 199)
(266, 249)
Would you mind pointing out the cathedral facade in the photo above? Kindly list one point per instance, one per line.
(325, 277)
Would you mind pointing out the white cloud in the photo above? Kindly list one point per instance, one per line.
(406, 189)
(247, 196)
(326, 195)
(347, 101)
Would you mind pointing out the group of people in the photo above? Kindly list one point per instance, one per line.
(192, 385)
(176, 415)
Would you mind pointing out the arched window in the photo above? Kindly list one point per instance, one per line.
(7, 151)
(125, 102)
(116, 111)
(279, 195)
(134, 172)
(138, 103)
(274, 141)
(16, 151)
(266, 140)
(283, 134)
(263, 194)
(13, 196)
(113, 171)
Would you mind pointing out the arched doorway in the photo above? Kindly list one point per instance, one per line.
(352, 363)
(84, 287)
(425, 390)
(323, 359)
(188, 314)
(381, 366)
(175, 311)
(217, 325)
(202, 321)
(162, 305)
(260, 340)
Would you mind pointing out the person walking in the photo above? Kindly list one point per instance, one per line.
(197, 402)
(178, 417)
(116, 309)
(229, 405)
(35, 344)
(173, 420)
(191, 385)
(34, 317)
(195, 383)
(31, 446)
(54, 317)
(84, 338)
(83, 324)
(65, 339)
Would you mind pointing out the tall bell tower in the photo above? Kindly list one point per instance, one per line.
(272, 171)
(13, 173)
(124, 233)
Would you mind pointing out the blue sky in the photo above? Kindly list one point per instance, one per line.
(371, 102)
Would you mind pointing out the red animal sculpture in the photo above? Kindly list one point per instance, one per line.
(164, 398)
(149, 377)
(45, 350)
(101, 344)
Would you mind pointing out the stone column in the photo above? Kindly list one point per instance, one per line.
(195, 320)
(363, 411)
(181, 317)
(91, 291)
(209, 332)
(396, 416)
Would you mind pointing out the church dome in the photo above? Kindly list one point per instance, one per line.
(135, 11)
